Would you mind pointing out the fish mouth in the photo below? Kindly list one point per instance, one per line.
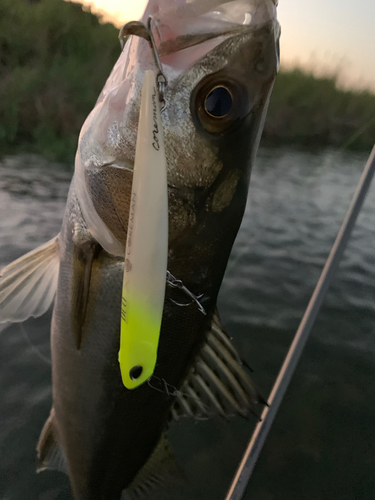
(204, 21)
(212, 26)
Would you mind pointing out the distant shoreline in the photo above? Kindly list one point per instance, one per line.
(53, 67)
(313, 111)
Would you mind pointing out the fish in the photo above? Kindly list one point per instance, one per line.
(220, 61)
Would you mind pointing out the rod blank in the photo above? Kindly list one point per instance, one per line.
(262, 428)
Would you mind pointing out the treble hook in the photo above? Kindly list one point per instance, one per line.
(175, 283)
(139, 29)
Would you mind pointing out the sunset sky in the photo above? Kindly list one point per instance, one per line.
(327, 35)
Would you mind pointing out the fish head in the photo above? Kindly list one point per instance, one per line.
(220, 61)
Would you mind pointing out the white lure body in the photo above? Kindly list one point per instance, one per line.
(146, 251)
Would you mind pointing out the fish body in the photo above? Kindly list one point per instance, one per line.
(102, 434)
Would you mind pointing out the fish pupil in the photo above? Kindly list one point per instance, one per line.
(218, 102)
(136, 372)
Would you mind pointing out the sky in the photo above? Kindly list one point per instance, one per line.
(326, 36)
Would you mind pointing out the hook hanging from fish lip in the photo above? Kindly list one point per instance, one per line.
(137, 28)
(176, 283)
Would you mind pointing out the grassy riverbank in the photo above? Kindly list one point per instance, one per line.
(55, 58)
(311, 111)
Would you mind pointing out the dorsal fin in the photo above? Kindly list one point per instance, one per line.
(28, 285)
(217, 384)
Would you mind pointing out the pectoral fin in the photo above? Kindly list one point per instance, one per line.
(217, 384)
(83, 258)
(28, 285)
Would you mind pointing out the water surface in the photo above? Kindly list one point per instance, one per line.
(322, 443)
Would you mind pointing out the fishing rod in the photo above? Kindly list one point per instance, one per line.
(250, 457)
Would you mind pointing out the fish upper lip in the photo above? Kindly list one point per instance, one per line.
(184, 42)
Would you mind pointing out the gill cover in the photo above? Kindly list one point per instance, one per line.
(185, 33)
(146, 250)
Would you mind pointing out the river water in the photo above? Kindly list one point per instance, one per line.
(322, 444)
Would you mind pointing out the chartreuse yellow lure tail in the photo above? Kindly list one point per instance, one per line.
(146, 251)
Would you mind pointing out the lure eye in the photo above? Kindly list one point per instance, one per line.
(218, 102)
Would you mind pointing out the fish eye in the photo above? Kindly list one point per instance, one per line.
(218, 102)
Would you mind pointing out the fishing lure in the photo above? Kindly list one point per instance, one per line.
(146, 252)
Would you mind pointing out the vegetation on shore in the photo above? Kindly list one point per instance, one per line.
(311, 111)
(55, 58)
